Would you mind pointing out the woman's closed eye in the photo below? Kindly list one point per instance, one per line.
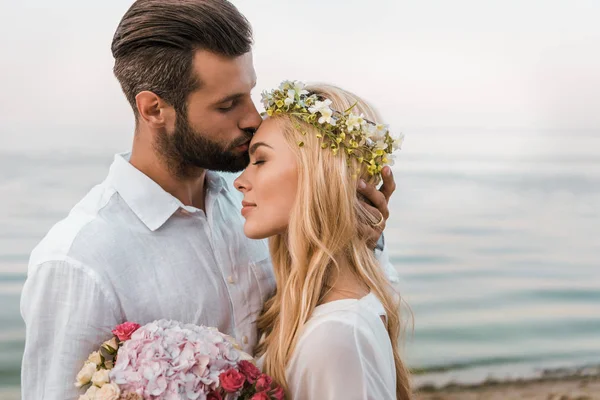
(258, 162)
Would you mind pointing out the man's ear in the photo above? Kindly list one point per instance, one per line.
(154, 110)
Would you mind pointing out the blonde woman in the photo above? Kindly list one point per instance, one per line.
(331, 330)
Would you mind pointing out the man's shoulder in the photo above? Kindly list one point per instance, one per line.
(86, 219)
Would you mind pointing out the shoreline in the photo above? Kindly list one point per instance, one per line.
(552, 385)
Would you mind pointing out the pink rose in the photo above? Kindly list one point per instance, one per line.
(278, 393)
(125, 330)
(260, 396)
(263, 383)
(249, 370)
(232, 380)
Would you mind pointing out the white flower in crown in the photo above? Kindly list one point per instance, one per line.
(296, 86)
(391, 160)
(379, 131)
(355, 122)
(397, 144)
(283, 86)
(267, 98)
(370, 131)
(380, 144)
(323, 108)
(299, 88)
(291, 93)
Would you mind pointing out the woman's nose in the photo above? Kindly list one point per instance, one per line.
(241, 183)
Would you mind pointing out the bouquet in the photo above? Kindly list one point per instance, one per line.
(172, 361)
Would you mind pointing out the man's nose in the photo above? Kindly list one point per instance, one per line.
(252, 120)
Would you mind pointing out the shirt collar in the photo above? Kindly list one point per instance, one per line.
(146, 198)
(216, 182)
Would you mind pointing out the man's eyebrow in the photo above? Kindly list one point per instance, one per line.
(256, 146)
(234, 96)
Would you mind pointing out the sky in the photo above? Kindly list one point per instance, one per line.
(430, 67)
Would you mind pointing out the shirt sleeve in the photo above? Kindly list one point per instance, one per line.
(338, 361)
(68, 314)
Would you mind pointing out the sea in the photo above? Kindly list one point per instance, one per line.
(495, 235)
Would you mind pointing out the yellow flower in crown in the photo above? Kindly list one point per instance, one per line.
(367, 142)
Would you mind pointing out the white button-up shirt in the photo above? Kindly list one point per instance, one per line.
(130, 251)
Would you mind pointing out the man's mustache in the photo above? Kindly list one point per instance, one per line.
(242, 140)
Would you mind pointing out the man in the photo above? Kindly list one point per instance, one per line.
(162, 236)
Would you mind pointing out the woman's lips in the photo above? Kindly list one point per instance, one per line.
(246, 210)
(247, 207)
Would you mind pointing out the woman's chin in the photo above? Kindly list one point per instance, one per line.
(252, 232)
(254, 228)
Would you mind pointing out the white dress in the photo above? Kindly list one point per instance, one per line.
(344, 352)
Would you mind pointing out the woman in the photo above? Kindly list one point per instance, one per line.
(331, 330)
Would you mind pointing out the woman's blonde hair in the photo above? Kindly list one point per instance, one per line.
(327, 221)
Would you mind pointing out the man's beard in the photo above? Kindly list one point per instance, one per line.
(186, 150)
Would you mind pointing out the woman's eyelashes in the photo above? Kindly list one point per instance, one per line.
(258, 162)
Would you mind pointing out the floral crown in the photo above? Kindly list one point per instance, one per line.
(357, 137)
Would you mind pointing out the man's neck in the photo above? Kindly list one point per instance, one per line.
(189, 191)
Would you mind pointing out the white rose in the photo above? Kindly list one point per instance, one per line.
(100, 377)
(95, 358)
(112, 343)
(85, 375)
(245, 356)
(90, 394)
(110, 391)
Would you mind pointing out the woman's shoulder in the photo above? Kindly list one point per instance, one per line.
(354, 312)
(343, 350)
(349, 322)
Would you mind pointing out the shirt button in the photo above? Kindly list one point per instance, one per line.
(230, 279)
(245, 339)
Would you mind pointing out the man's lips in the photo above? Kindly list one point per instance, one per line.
(242, 147)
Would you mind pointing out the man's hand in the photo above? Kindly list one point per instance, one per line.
(379, 204)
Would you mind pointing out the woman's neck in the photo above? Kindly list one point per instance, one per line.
(344, 284)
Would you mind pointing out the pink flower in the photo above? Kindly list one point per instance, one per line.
(125, 330)
(165, 358)
(249, 370)
(260, 396)
(231, 380)
(263, 383)
(278, 393)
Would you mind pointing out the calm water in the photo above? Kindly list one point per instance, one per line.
(499, 254)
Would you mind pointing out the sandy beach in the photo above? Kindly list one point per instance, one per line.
(576, 388)
(568, 388)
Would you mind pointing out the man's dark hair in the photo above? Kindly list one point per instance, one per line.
(155, 42)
